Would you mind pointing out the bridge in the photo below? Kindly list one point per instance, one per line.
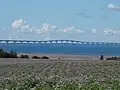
(55, 41)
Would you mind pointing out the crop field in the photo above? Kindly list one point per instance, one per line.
(60, 75)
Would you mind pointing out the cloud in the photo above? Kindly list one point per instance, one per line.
(114, 7)
(26, 26)
(18, 23)
(79, 31)
(70, 28)
(83, 15)
(23, 30)
(110, 31)
(47, 31)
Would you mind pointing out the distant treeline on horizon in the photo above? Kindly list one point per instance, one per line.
(13, 54)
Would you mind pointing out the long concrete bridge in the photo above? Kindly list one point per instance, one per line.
(55, 41)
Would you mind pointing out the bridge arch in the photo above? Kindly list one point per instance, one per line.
(56, 41)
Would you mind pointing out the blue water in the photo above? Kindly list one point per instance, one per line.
(63, 49)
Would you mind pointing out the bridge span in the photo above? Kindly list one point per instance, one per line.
(55, 41)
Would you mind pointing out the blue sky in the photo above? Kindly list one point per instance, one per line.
(95, 20)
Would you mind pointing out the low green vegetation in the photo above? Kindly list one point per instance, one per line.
(61, 75)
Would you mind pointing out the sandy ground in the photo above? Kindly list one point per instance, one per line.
(53, 58)
(67, 56)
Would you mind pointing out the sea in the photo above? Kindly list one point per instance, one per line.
(48, 48)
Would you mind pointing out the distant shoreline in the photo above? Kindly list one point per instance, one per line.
(75, 54)
(66, 56)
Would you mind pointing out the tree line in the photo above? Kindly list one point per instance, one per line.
(10, 54)
(13, 54)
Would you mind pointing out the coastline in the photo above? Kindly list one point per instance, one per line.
(66, 56)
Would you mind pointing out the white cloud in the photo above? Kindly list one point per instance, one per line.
(70, 28)
(114, 7)
(23, 30)
(21, 26)
(48, 29)
(53, 26)
(110, 32)
(79, 31)
(26, 26)
(45, 27)
(18, 23)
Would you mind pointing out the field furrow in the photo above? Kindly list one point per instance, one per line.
(60, 75)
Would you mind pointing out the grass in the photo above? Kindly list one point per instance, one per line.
(61, 75)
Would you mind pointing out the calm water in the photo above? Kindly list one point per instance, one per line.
(63, 49)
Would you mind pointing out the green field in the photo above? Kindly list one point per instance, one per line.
(60, 75)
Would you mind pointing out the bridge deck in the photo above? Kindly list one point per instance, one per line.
(55, 41)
